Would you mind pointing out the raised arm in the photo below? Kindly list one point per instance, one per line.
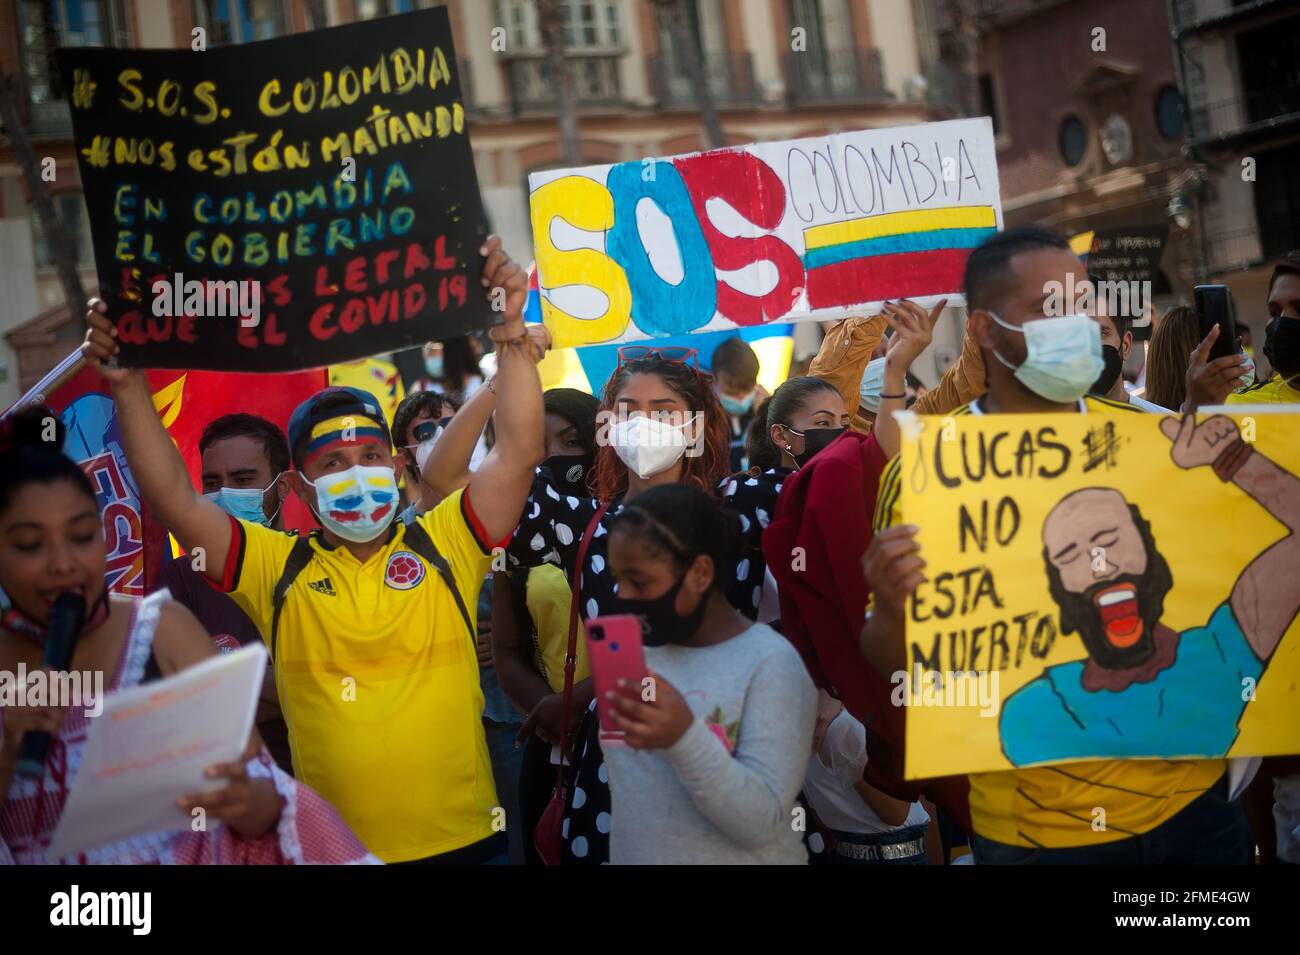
(155, 463)
(843, 358)
(500, 487)
(1266, 597)
(960, 384)
(447, 469)
(913, 332)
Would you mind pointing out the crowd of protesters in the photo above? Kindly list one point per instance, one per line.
(468, 534)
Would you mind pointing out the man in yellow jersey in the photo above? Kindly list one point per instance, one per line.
(373, 640)
(1154, 810)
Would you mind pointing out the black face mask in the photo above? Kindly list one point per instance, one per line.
(814, 439)
(1114, 365)
(660, 623)
(1282, 347)
(569, 473)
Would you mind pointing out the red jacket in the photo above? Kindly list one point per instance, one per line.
(814, 547)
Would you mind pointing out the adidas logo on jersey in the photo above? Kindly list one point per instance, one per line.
(323, 586)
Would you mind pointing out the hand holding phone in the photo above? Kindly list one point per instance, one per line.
(1214, 307)
(616, 652)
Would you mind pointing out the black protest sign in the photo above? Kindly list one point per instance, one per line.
(283, 204)
(1130, 255)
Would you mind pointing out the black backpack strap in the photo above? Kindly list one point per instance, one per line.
(418, 539)
(299, 557)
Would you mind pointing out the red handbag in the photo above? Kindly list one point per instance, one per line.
(548, 837)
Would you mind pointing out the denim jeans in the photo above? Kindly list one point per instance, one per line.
(1209, 831)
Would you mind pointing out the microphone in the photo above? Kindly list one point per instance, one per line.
(67, 617)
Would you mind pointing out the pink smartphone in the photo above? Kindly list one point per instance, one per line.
(616, 653)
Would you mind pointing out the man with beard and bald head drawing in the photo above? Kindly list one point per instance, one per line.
(1145, 689)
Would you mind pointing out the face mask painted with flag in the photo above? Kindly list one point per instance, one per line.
(357, 504)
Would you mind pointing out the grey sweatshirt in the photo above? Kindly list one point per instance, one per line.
(696, 802)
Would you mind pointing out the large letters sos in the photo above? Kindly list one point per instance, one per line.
(789, 231)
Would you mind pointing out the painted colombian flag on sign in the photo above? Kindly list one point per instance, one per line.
(889, 256)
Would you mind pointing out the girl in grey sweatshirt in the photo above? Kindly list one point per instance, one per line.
(715, 746)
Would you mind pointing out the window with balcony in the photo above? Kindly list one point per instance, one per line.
(1270, 71)
(588, 24)
(730, 75)
(71, 209)
(826, 66)
(1277, 201)
(46, 25)
(240, 21)
(593, 39)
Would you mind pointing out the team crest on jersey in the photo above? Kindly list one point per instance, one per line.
(404, 571)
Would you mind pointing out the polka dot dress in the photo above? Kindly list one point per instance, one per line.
(753, 499)
(549, 532)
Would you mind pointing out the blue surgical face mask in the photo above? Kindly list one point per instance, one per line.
(357, 504)
(433, 365)
(873, 383)
(738, 407)
(244, 503)
(1062, 356)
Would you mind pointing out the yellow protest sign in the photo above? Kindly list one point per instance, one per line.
(1123, 586)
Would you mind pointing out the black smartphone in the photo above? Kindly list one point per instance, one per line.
(1214, 307)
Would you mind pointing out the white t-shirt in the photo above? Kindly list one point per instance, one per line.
(832, 773)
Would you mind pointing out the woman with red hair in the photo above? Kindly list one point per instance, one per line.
(659, 423)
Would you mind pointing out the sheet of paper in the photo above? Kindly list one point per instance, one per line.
(151, 746)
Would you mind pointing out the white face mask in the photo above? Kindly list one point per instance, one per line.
(647, 445)
(422, 452)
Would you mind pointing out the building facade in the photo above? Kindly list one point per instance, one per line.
(1240, 64)
(1087, 116)
(778, 69)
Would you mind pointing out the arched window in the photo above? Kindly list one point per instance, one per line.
(1072, 140)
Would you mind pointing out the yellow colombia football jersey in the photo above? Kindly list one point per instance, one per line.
(1275, 391)
(547, 596)
(1053, 806)
(378, 680)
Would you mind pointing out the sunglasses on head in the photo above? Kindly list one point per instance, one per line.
(677, 353)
